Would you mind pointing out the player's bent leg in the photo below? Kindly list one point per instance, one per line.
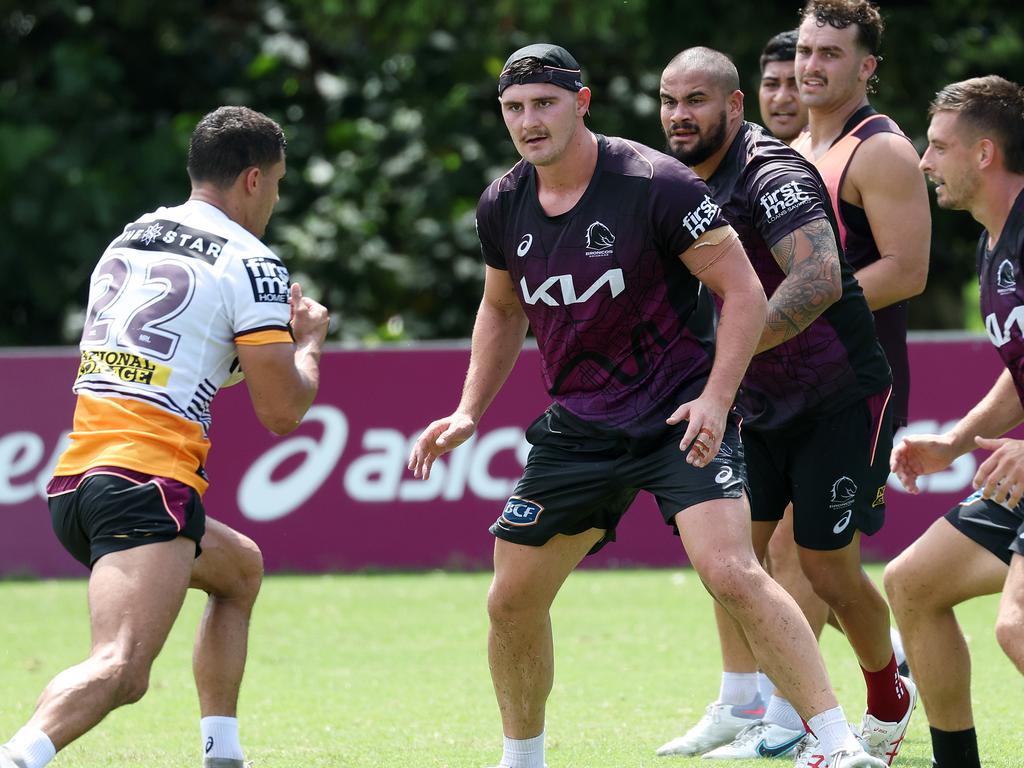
(783, 563)
(519, 643)
(838, 578)
(1010, 622)
(134, 598)
(716, 535)
(230, 571)
(922, 596)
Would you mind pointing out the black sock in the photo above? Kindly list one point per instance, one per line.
(955, 749)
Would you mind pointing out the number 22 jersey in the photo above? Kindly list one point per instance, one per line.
(168, 301)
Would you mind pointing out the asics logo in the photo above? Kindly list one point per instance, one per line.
(524, 245)
(774, 750)
(843, 522)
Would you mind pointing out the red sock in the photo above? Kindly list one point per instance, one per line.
(888, 699)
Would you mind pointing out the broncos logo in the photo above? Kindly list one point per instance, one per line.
(844, 490)
(1006, 280)
(599, 236)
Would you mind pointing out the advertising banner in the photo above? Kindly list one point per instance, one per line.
(336, 494)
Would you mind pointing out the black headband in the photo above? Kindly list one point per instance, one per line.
(563, 78)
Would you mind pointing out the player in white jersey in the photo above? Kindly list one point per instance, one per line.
(178, 302)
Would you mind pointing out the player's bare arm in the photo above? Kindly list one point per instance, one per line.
(810, 258)
(718, 259)
(498, 334)
(283, 379)
(885, 180)
(997, 413)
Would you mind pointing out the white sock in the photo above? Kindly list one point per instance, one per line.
(833, 732)
(737, 687)
(897, 645)
(765, 687)
(32, 747)
(220, 738)
(781, 712)
(523, 753)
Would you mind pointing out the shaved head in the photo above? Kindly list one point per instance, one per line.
(712, 63)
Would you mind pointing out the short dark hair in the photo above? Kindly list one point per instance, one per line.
(782, 47)
(988, 105)
(709, 61)
(229, 140)
(842, 13)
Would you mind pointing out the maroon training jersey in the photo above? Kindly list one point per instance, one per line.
(1001, 281)
(623, 339)
(767, 191)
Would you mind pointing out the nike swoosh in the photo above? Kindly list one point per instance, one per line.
(758, 712)
(774, 750)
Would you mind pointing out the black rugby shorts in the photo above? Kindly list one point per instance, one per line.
(833, 468)
(577, 478)
(109, 509)
(990, 525)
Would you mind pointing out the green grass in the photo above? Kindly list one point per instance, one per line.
(390, 670)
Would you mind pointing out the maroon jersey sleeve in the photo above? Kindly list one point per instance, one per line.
(487, 230)
(682, 208)
(784, 195)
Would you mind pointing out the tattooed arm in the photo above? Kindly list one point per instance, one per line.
(810, 258)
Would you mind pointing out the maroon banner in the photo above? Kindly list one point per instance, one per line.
(335, 494)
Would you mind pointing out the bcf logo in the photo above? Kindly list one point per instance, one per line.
(521, 512)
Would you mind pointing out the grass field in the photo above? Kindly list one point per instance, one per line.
(390, 670)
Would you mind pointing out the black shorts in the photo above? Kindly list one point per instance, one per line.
(578, 478)
(832, 468)
(109, 509)
(990, 525)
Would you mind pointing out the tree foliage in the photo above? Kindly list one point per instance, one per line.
(393, 128)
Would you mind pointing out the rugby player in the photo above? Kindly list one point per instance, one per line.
(975, 157)
(177, 302)
(602, 246)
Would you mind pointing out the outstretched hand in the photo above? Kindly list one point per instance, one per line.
(917, 455)
(437, 439)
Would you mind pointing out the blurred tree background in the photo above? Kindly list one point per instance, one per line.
(393, 128)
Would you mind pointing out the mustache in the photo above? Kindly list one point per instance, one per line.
(686, 125)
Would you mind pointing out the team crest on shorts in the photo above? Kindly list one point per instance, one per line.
(521, 512)
(879, 498)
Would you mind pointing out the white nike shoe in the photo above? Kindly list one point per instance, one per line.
(883, 740)
(759, 740)
(7, 760)
(720, 724)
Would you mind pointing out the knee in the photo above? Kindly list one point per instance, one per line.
(1010, 635)
(127, 675)
(904, 588)
(508, 603)
(830, 582)
(247, 573)
(250, 570)
(731, 580)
